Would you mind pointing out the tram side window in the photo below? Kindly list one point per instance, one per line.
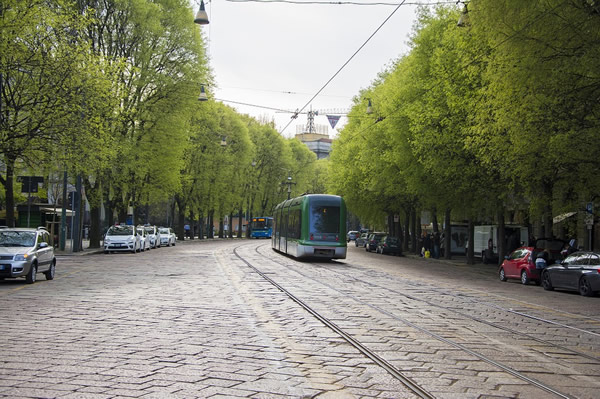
(295, 224)
(325, 219)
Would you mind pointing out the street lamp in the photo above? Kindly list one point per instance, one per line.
(201, 15)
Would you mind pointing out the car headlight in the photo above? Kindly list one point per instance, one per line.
(131, 239)
(107, 240)
(21, 257)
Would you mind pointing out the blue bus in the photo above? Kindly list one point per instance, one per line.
(262, 227)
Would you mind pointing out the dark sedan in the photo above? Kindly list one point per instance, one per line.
(578, 272)
(389, 245)
(371, 243)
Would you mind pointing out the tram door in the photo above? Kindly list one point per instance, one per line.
(286, 223)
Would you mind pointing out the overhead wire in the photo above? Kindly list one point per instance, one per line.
(344, 65)
(353, 3)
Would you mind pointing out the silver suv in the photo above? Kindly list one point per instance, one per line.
(25, 252)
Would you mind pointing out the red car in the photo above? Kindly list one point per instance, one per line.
(520, 264)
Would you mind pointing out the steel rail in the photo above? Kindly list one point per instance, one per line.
(484, 358)
(409, 383)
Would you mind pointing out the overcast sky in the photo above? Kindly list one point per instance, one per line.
(280, 54)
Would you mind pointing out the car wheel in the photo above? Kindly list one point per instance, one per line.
(50, 272)
(502, 274)
(585, 288)
(546, 282)
(524, 278)
(134, 250)
(106, 252)
(30, 278)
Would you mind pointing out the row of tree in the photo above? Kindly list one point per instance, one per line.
(107, 90)
(497, 117)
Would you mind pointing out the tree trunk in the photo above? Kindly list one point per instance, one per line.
(9, 192)
(210, 231)
(180, 223)
(501, 244)
(406, 229)
(413, 231)
(240, 223)
(447, 235)
(470, 257)
(95, 227)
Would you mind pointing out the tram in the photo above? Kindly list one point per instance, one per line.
(262, 227)
(311, 226)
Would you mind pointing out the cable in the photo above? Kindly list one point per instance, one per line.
(343, 66)
(353, 3)
(256, 106)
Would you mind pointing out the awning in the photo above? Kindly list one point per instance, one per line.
(58, 211)
(560, 218)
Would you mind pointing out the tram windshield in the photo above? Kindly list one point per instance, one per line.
(325, 222)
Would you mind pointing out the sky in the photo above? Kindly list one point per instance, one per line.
(280, 54)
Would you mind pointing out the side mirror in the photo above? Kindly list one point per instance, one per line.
(43, 245)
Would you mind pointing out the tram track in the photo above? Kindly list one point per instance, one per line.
(505, 368)
(480, 320)
(381, 362)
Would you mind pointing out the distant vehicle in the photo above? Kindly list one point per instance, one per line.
(262, 227)
(389, 245)
(311, 226)
(144, 238)
(579, 271)
(153, 235)
(167, 236)
(352, 235)
(518, 236)
(25, 252)
(121, 237)
(520, 264)
(361, 240)
(372, 240)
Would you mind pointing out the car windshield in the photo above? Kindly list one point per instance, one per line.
(392, 240)
(149, 230)
(120, 231)
(163, 230)
(17, 239)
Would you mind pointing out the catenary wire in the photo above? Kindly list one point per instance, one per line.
(344, 65)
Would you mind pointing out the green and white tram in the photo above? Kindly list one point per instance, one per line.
(311, 226)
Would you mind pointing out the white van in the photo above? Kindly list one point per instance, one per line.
(515, 236)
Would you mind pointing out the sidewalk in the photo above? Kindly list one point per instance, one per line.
(86, 249)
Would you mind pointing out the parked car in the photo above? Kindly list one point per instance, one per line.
(372, 241)
(25, 252)
(121, 238)
(579, 271)
(167, 236)
(361, 240)
(144, 238)
(520, 264)
(352, 235)
(153, 236)
(389, 245)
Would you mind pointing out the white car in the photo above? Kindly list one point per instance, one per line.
(153, 235)
(144, 238)
(167, 236)
(121, 238)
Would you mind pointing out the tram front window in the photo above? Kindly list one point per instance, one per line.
(324, 222)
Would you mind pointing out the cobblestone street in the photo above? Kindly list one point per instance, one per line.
(195, 321)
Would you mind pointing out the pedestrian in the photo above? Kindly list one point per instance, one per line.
(542, 260)
(186, 228)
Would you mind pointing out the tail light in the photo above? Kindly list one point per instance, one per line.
(337, 238)
(312, 237)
